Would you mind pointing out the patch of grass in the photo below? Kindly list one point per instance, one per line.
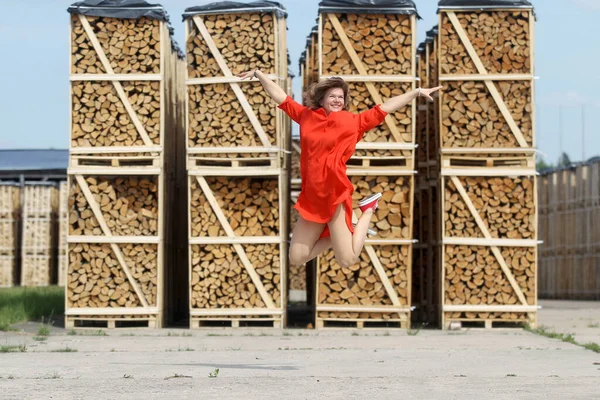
(183, 334)
(72, 332)
(66, 349)
(99, 332)
(355, 334)
(595, 347)
(596, 325)
(177, 376)
(43, 330)
(286, 333)
(29, 304)
(186, 349)
(221, 334)
(40, 338)
(214, 374)
(569, 337)
(13, 348)
(413, 332)
(55, 375)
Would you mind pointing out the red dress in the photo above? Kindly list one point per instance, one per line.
(327, 142)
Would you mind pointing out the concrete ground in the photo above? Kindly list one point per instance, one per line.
(302, 364)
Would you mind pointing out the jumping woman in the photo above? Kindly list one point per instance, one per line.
(328, 137)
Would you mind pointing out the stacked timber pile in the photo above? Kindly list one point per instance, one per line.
(374, 50)
(489, 202)
(39, 202)
(240, 121)
(10, 201)
(237, 174)
(569, 200)
(124, 73)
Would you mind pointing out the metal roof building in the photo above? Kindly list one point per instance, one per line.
(34, 164)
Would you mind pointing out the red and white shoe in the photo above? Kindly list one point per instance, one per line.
(370, 232)
(370, 202)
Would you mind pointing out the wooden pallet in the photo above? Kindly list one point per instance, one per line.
(215, 322)
(332, 323)
(196, 162)
(487, 324)
(86, 322)
(114, 161)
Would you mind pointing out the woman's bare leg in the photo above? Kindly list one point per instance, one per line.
(346, 246)
(306, 244)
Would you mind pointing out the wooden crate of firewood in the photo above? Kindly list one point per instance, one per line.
(37, 243)
(120, 70)
(238, 247)
(376, 55)
(489, 252)
(375, 292)
(10, 206)
(226, 115)
(486, 66)
(115, 246)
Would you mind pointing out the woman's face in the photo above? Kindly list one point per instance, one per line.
(333, 100)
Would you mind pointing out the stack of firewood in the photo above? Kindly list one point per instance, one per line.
(483, 207)
(376, 54)
(236, 169)
(124, 77)
(10, 206)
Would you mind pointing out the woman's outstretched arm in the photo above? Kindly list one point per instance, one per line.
(396, 103)
(271, 87)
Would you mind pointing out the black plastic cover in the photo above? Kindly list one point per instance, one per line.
(369, 7)
(130, 9)
(483, 4)
(233, 7)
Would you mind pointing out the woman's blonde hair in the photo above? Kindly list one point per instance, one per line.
(316, 92)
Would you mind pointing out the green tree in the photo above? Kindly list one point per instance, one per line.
(564, 160)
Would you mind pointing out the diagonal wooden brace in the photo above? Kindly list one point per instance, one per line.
(238, 247)
(490, 85)
(486, 233)
(234, 86)
(105, 229)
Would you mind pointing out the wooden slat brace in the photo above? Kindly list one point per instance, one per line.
(105, 229)
(118, 87)
(490, 85)
(389, 120)
(234, 86)
(486, 233)
(238, 247)
(380, 271)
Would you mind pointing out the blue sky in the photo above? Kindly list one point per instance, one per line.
(34, 40)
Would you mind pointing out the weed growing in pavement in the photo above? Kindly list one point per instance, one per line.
(177, 376)
(569, 337)
(214, 374)
(66, 349)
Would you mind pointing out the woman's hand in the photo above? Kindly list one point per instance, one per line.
(246, 75)
(425, 92)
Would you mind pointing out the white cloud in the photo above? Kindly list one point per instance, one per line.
(587, 4)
